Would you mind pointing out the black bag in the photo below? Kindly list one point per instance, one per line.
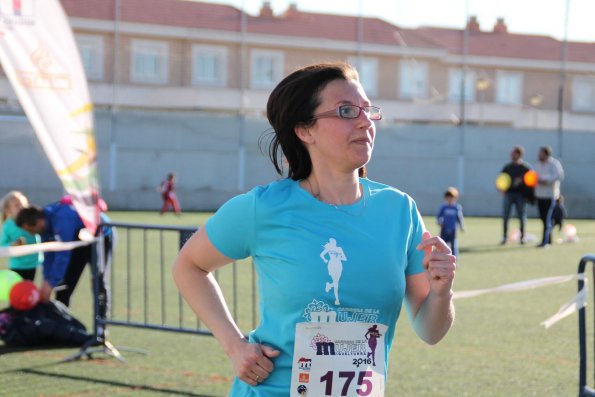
(45, 325)
(529, 194)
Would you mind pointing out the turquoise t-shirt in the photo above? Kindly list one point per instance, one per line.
(296, 240)
(11, 233)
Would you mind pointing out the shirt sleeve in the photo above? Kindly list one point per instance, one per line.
(231, 228)
(415, 256)
(560, 170)
(552, 172)
(439, 217)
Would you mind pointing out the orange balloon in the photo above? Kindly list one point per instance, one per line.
(530, 178)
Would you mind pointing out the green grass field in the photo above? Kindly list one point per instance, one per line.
(497, 346)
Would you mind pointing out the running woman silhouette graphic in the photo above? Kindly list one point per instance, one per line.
(335, 266)
(372, 341)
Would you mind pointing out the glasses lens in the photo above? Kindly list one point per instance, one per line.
(373, 112)
(348, 111)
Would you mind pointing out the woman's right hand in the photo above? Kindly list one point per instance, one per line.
(252, 362)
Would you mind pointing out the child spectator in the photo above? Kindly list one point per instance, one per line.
(449, 215)
(12, 235)
(168, 195)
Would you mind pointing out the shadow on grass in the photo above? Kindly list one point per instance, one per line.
(136, 387)
(21, 349)
(494, 248)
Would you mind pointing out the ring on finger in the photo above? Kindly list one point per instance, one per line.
(257, 380)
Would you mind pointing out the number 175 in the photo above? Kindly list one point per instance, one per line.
(362, 380)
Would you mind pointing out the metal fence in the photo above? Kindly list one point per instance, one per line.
(144, 295)
(584, 388)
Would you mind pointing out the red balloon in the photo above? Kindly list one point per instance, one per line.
(24, 295)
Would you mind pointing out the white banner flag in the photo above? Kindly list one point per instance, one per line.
(41, 60)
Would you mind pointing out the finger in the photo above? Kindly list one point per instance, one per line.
(442, 247)
(443, 270)
(424, 238)
(447, 263)
(262, 370)
(264, 361)
(250, 380)
(270, 352)
(438, 257)
(259, 374)
(436, 244)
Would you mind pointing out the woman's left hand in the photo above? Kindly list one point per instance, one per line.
(439, 263)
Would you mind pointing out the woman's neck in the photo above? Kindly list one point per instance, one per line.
(333, 189)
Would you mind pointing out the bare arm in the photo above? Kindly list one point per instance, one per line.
(192, 273)
(429, 294)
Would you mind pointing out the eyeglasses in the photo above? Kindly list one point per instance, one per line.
(351, 112)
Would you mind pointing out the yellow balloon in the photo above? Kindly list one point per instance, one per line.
(503, 182)
(8, 279)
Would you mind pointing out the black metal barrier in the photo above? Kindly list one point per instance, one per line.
(142, 293)
(584, 389)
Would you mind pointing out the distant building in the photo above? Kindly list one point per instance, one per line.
(182, 55)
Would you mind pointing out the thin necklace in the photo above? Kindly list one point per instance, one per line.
(339, 207)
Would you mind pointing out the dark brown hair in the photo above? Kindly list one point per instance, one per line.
(292, 104)
(547, 150)
(29, 216)
(519, 149)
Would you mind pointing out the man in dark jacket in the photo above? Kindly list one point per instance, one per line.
(516, 194)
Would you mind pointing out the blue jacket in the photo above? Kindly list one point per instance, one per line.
(449, 216)
(62, 224)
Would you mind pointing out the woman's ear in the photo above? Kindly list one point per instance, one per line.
(303, 133)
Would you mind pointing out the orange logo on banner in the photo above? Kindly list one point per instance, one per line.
(304, 378)
(42, 78)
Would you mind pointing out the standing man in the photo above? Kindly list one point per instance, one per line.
(550, 173)
(515, 195)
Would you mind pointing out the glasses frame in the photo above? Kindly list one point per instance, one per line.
(337, 113)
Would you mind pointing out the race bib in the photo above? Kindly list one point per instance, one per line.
(338, 359)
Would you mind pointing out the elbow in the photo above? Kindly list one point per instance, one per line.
(184, 270)
(177, 272)
(432, 338)
(432, 331)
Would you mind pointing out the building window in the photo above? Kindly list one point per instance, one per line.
(267, 68)
(413, 79)
(583, 94)
(455, 78)
(209, 65)
(367, 68)
(91, 51)
(509, 88)
(149, 62)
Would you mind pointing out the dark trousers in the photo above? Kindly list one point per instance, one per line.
(450, 238)
(519, 202)
(545, 207)
(79, 258)
(26, 274)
